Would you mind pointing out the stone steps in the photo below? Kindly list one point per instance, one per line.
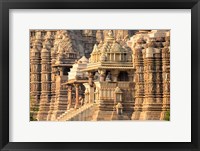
(70, 114)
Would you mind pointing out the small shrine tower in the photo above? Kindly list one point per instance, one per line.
(110, 72)
(75, 84)
(63, 56)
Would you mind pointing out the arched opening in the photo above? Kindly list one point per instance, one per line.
(123, 76)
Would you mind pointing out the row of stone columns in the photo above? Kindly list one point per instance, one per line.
(152, 64)
(69, 93)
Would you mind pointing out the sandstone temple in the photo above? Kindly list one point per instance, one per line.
(99, 75)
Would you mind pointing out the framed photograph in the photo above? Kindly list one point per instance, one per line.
(99, 75)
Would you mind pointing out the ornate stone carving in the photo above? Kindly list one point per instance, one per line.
(52, 52)
(153, 63)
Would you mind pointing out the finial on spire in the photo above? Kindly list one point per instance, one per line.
(110, 33)
(95, 46)
(110, 36)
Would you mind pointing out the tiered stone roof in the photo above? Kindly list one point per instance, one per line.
(64, 48)
(75, 73)
(110, 53)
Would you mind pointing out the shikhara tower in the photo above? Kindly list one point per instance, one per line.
(126, 74)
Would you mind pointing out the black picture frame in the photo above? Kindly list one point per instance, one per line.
(5, 5)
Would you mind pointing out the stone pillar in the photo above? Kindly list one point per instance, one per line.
(114, 74)
(60, 104)
(90, 77)
(61, 71)
(69, 97)
(130, 75)
(149, 84)
(53, 82)
(77, 96)
(137, 44)
(56, 40)
(96, 95)
(118, 96)
(35, 65)
(35, 69)
(86, 96)
(45, 78)
(152, 104)
(166, 77)
(160, 39)
(91, 87)
(89, 92)
(91, 95)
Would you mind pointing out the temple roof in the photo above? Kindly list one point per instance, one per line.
(110, 54)
(64, 42)
(64, 48)
(109, 45)
(83, 60)
(75, 72)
